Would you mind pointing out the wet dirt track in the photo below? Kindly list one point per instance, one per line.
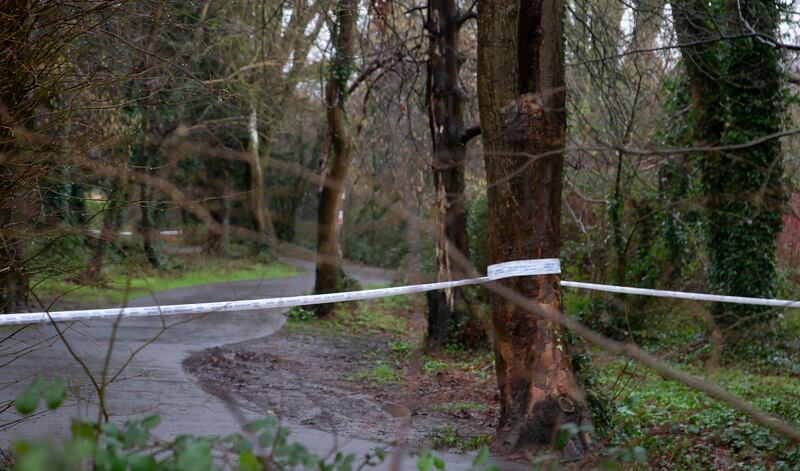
(155, 382)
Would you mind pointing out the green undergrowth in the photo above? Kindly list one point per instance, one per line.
(383, 315)
(447, 437)
(671, 425)
(685, 429)
(262, 445)
(120, 283)
(388, 317)
(458, 406)
(477, 363)
(379, 374)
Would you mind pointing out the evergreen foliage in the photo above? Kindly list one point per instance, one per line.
(738, 97)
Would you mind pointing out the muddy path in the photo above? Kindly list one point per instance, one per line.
(317, 378)
(154, 380)
(364, 375)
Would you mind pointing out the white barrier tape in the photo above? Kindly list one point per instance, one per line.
(495, 272)
(544, 266)
(683, 295)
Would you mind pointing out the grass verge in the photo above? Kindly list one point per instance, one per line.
(122, 283)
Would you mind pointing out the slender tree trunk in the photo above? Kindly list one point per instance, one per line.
(258, 200)
(335, 174)
(448, 315)
(412, 237)
(218, 241)
(14, 281)
(225, 236)
(146, 225)
(146, 100)
(522, 98)
(145, 162)
(108, 230)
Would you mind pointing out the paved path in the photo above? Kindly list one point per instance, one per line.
(154, 382)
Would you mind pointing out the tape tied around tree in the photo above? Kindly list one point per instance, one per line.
(548, 266)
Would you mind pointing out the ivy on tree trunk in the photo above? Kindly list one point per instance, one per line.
(328, 269)
(737, 96)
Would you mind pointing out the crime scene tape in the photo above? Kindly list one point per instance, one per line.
(543, 266)
(683, 295)
(494, 272)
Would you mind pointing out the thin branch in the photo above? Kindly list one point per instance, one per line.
(764, 38)
(669, 47)
(470, 133)
(241, 70)
(470, 14)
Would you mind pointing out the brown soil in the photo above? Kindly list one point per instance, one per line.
(317, 376)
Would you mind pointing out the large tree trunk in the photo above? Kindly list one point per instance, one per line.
(448, 315)
(736, 97)
(522, 98)
(18, 172)
(328, 261)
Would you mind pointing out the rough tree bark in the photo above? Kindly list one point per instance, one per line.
(336, 166)
(522, 107)
(19, 171)
(448, 314)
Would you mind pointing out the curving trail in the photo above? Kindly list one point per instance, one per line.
(154, 382)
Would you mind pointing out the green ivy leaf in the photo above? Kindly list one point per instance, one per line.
(249, 462)
(142, 462)
(79, 449)
(151, 422)
(109, 429)
(261, 424)
(611, 466)
(27, 401)
(54, 393)
(194, 456)
(347, 463)
(83, 430)
(133, 436)
(425, 461)
(32, 457)
(266, 439)
(482, 458)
